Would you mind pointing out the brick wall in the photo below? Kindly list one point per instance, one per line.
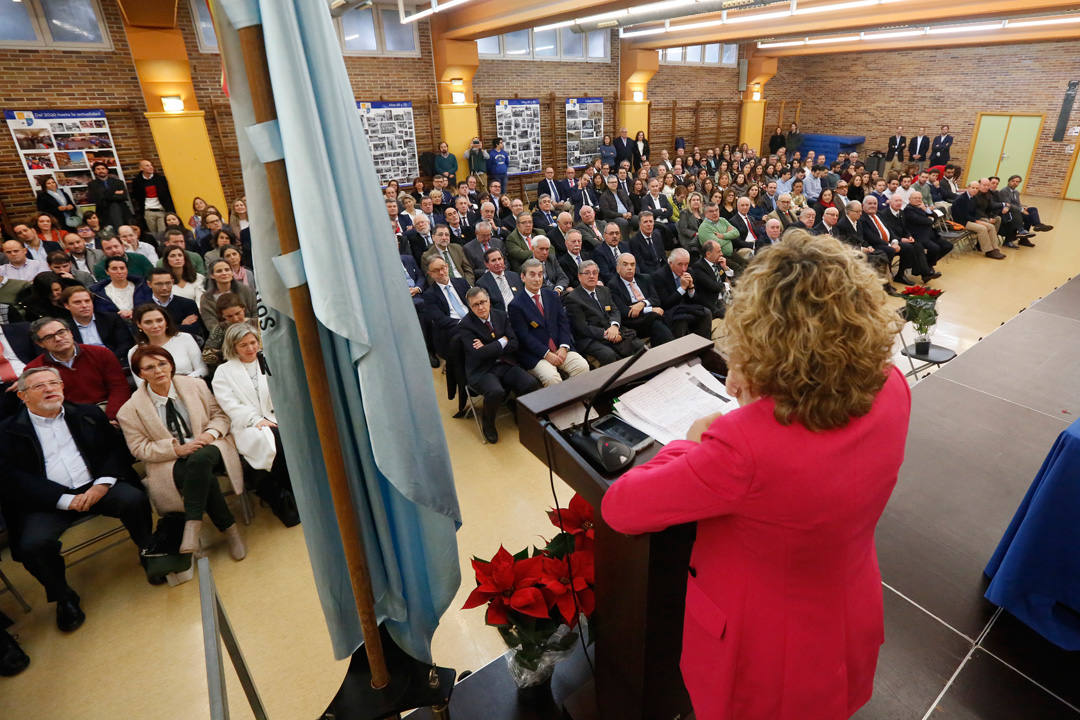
(678, 89)
(952, 86)
(50, 79)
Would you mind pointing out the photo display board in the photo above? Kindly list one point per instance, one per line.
(517, 122)
(584, 129)
(63, 144)
(391, 136)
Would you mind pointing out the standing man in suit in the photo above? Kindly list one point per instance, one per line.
(546, 343)
(607, 255)
(919, 148)
(105, 329)
(501, 284)
(151, 198)
(894, 155)
(595, 321)
(519, 243)
(710, 274)
(479, 245)
(678, 296)
(575, 255)
(550, 186)
(444, 305)
(940, 147)
(647, 245)
(624, 148)
(637, 302)
(592, 230)
(452, 253)
(490, 358)
(63, 462)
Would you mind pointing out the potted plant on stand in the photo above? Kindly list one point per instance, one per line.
(536, 599)
(920, 309)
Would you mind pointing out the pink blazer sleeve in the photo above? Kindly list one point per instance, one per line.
(685, 482)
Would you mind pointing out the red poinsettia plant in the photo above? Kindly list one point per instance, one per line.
(920, 307)
(530, 595)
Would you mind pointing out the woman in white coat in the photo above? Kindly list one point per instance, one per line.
(242, 391)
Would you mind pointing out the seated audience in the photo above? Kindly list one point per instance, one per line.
(129, 236)
(444, 305)
(595, 321)
(112, 247)
(637, 302)
(173, 424)
(606, 256)
(1029, 216)
(894, 220)
(571, 260)
(77, 246)
(554, 277)
(40, 239)
(18, 265)
(476, 248)
(221, 281)
(501, 284)
(592, 230)
(231, 310)
(920, 220)
(491, 364)
(415, 242)
(241, 274)
(546, 344)
(241, 390)
(155, 326)
(714, 227)
(122, 291)
(452, 254)
(830, 217)
(711, 276)
(674, 285)
(647, 243)
(61, 264)
(62, 462)
(615, 206)
(93, 327)
(519, 243)
(220, 240)
(174, 237)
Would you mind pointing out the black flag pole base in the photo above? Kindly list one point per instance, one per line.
(413, 684)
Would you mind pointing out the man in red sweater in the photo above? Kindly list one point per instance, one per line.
(91, 373)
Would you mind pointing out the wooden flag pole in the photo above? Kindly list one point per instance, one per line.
(262, 99)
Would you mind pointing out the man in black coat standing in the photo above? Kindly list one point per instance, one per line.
(624, 148)
(109, 197)
(63, 462)
(595, 320)
(151, 198)
(490, 363)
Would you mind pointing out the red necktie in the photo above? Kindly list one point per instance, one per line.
(880, 229)
(540, 307)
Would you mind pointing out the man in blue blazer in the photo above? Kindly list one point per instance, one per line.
(501, 284)
(546, 343)
(608, 253)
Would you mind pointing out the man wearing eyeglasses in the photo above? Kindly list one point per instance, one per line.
(91, 373)
(62, 461)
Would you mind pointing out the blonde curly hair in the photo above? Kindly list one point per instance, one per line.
(809, 326)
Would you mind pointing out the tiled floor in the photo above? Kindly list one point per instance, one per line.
(140, 652)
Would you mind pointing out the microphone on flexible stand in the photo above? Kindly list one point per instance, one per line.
(603, 451)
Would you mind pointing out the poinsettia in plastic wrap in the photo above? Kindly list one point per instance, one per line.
(536, 598)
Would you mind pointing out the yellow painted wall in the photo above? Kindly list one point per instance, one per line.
(751, 123)
(187, 159)
(459, 125)
(633, 116)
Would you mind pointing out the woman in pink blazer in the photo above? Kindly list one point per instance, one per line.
(783, 600)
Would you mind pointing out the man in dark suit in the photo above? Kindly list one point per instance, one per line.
(545, 341)
(109, 196)
(18, 349)
(750, 233)
(467, 218)
(829, 224)
(914, 260)
(575, 255)
(452, 253)
(545, 214)
(647, 245)
(919, 148)
(940, 147)
(585, 196)
(660, 206)
(854, 231)
(184, 311)
(414, 278)
(444, 305)
(491, 365)
(568, 188)
(710, 273)
(501, 284)
(415, 242)
(624, 147)
(595, 321)
(488, 215)
(920, 223)
(607, 255)
(674, 284)
(592, 230)
(98, 328)
(557, 234)
(550, 186)
(637, 302)
(61, 463)
(616, 207)
(894, 155)
(480, 244)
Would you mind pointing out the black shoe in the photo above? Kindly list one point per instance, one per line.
(460, 413)
(903, 280)
(69, 616)
(12, 658)
(934, 275)
(285, 509)
(1026, 243)
(433, 359)
(490, 434)
(1044, 228)
(891, 291)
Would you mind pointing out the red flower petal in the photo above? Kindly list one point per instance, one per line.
(529, 601)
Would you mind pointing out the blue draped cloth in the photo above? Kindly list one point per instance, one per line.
(1035, 571)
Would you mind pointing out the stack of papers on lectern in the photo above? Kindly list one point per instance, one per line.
(667, 405)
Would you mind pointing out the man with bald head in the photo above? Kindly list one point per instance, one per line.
(830, 216)
(480, 244)
(637, 302)
(592, 230)
(564, 221)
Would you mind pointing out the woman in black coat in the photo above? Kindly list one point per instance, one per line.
(641, 149)
(57, 201)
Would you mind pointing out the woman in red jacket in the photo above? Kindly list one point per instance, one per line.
(783, 600)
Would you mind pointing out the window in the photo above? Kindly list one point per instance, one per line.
(204, 26)
(712, 54)
(58, 23)
(560, 45)
(377, 31)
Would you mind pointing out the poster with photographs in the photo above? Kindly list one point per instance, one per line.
(63, 145)
(584, 129)
(517, 122)
(392, 139)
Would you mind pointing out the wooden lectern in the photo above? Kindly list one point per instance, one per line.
(640, 580)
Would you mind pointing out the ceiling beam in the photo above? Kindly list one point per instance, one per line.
(149, 13)
(930, 41)
(483, 18)
(906, 13)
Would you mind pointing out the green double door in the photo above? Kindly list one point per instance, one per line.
(1004, 145)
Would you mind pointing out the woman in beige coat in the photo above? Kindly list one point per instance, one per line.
(174, 425)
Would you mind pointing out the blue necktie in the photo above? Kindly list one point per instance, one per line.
(451, 296)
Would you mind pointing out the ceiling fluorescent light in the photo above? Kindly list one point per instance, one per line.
(786, 43)
(642, 33)
(834, 7)
(758, 16)
(659, 6)
(1043, 21)
(893, 34)
(554, 26)
(697, 25)
(837, 39)
(449, 4)
(945, 29)
(431, 10)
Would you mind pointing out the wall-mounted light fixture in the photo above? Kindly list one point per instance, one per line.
(755, 93)
(172, 103)
(639, 96)
(457, 91)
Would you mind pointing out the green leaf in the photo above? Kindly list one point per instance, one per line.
(561, 545)
(523, 555)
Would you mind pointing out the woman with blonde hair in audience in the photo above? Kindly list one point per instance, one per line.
(810, 340)
(689, 220)
(187, 283)
(154, 326)
(242, 391)
(856, 188)
(728, 206)
(219, 282)
(408, 205)
(238, 214)
(246, 275)
(173, 424)
(678, 201)
(198, 207)
(798, 200)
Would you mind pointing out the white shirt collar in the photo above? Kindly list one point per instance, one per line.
(41, 421)
(158, 400)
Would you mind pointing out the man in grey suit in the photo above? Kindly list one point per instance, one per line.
(475, 248)
(554, 277)
(592, 230)
(595, 321)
